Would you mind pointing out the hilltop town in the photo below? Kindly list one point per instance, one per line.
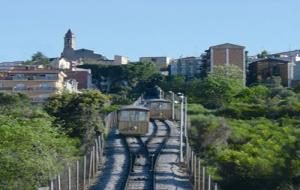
(43, 76)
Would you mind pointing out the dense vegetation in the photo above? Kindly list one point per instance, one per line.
(36, 141)
(251, 137)
(124, 83)
(79, 115)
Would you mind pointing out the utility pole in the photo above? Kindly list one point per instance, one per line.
(173, 105)
(181, 129)
(185, 117)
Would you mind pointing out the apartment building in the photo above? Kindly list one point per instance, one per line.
(293, 57)
(265, 68)
(227, 54)
(82, 76)
(37, 84)
(160, 62)
(188, 67)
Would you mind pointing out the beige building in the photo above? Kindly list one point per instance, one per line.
(120, 60)
(161, 62)
(37, 84)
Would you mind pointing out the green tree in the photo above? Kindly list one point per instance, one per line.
(31, 151)
(11, 102)
(78, 114)
(219, 87)
(125, 81)
(38, 59)
(263, 54)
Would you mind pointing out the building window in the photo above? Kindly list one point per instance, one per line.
(276, 71)
(20, 87)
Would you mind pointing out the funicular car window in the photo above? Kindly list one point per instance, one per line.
(160, 105)
(133, 115)
(142, 116)
(138, 115)
(124, 115)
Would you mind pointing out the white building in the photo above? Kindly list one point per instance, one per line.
(60, 63)
(188, 67)
(121, 60)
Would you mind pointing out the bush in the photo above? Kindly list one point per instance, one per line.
(31, 151)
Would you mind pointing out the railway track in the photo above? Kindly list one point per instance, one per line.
(144, 152)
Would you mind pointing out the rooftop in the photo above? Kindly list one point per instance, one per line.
(228, 45)
(270, 59)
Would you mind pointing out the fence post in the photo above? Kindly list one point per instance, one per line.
(199, 174)
(58, 181)
(97, 154)
(84, 171)
(69, 178)
(102, 141)
(90, 167)
(192, 163)
(209, 181)
(216, 186)
(195, 173)
(51, 185)
(203, 178)
(187, 157)
(100, 150)
(186, 153)
(93, 163)
(77, 175)
(190, 159)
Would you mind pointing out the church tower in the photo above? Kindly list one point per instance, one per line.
(69, 41)
(69, 46)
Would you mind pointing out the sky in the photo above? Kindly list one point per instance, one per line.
(136, 28)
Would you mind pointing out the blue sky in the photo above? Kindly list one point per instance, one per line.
(137, 28)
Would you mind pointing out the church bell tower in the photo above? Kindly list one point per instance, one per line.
(69, 41)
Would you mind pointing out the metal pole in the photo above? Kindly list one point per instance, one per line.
(181, 131)
(187, 156)
(58, 181)
(84, 171)
(192, 163)
(100, 150)
(173, 106)
(186, 146)
(94, 161)
(51, 185)
(209, 181)
(203, 179)
(97, 154)
(69, 178)
(195, 172)
(216, 186)
(199, 174)
(90, 167)
(77, 175)
(185, 117)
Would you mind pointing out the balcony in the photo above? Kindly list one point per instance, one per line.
(35, 89)
(29, 89)
(6, 89)
(31, 78)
